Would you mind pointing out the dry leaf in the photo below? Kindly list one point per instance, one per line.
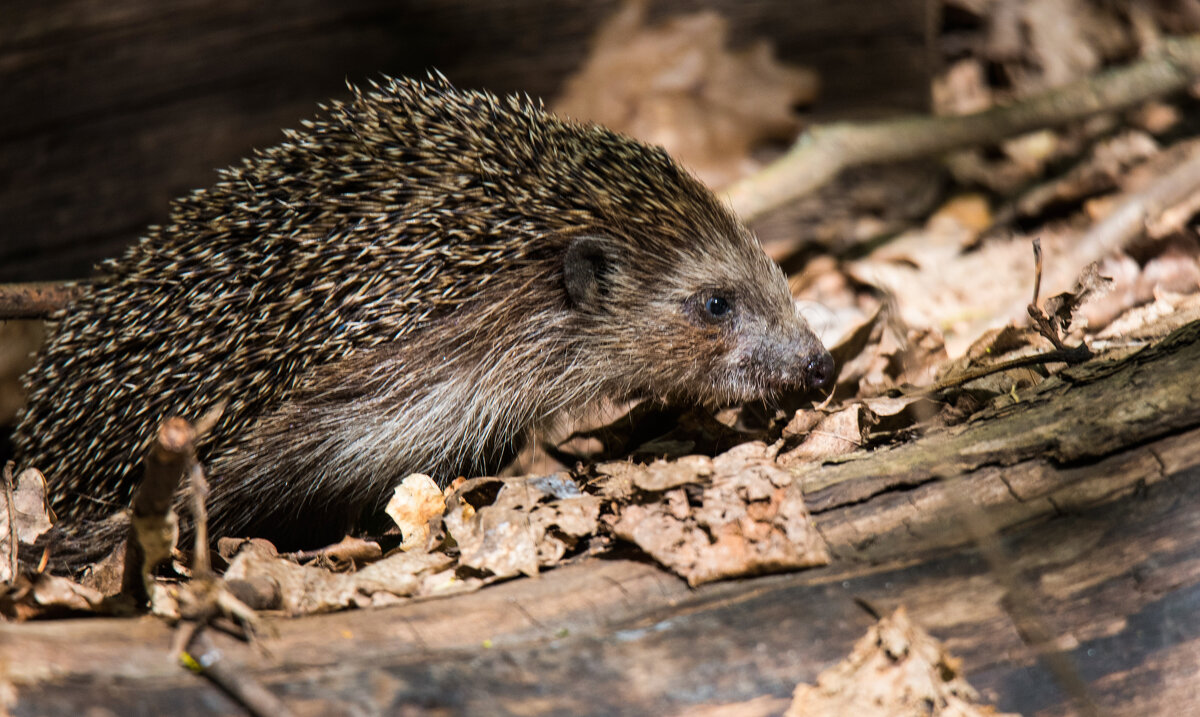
(532, 523)
(740, 514)
(30, 513)
(44, 595)
(306, 589)
(678, 85)
(835, 434)
(1061, 308)
(895, 670)
(415, 503)
(348, 551)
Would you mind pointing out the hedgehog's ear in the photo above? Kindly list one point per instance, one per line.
(587, 264)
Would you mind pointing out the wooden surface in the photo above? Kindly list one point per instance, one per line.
(113, 107)
(1102, 526)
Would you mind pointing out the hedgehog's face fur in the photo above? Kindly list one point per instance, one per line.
(693, 324)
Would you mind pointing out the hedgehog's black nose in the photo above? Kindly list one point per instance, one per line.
(821, 371)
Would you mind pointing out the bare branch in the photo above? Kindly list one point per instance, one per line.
(822, 152)
(36, 299)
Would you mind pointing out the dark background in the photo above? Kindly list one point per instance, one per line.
(113, 107)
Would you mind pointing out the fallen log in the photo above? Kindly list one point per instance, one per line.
(1092, 480)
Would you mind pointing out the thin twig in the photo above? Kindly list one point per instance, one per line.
(1073, 355)
(203, 658)
(1037, 266)
(13, 563)
(823, 152)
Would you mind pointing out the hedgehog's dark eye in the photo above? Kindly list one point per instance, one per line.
(710, 306)
(716, 306)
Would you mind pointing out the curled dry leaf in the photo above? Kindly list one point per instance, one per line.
(1061, 308)
(348, 551)
(43, 595)
(305, 589)
(739, 514)
(895, 669)
(532, 523)
(30, 515)
(416, 502)
(832, 435)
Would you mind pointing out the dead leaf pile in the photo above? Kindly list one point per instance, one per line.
(895, 669)
(708, 519)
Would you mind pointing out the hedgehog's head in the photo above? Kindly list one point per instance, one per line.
(712, 322)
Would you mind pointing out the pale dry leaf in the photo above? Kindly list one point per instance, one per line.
(764, 706)
(350, 550)
(664, 475)
(1061, 308)
(30, 514)
(1155, 320)
(414, 505)
(896, 669)
(54, 591)
(30, 507)
(42, 595)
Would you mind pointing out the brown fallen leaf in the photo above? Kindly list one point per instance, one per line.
(994, 347)
(678, 85)
(835, 434)
(307, 589)
(1061, 308)
(347, 552)
(43, 595)
(895, 670)
(531, 523)
(30, 507)
(740, 514)
(25, 518)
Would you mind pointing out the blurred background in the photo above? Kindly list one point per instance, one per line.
(117, 106)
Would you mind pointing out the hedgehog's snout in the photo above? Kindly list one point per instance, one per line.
(792, 358)
(820, 371)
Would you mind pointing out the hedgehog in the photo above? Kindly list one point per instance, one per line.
(412, 282)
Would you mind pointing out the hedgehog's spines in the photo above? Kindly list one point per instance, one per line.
(382, 293)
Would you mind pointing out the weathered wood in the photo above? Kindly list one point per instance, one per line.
(113, 108)
(1102, 515)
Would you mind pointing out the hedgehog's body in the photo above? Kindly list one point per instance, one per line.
(408, 285)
